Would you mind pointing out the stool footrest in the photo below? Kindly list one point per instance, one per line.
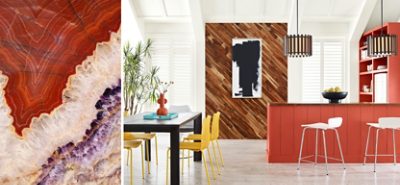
(331, 158)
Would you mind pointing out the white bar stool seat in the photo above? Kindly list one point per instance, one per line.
(332, 124)
(392, 123)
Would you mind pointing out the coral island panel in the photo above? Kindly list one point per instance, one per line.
(60, 92)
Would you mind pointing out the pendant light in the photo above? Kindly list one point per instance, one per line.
(298, 45)
(383, 44)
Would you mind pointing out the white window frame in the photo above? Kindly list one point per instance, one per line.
(176, 36)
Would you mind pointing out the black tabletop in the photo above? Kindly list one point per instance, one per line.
(182, 119)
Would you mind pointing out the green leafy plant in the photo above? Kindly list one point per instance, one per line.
(140, 85)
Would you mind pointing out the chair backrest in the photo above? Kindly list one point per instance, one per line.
(215, 126)
(179, 108)
(389, 122)
(205, 132)
(128, 136)
(335, 122)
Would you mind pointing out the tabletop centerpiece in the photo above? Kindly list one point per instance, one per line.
(334, 94)
(162, 89)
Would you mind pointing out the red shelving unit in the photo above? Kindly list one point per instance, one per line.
(392, 66)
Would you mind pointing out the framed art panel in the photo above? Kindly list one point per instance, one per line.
(246, 68)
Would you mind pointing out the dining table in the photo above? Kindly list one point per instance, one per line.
(137, 123)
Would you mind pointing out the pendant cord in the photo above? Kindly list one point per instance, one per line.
(297, 17)
(381, 17)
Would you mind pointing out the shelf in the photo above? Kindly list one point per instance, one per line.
(366, 60)
(373, 72)
(370, 59)
(380, 71)
(363, 47)
(366, 73)
(366, 93)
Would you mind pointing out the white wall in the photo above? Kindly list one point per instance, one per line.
(132, 27)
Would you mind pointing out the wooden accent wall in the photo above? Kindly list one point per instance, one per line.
(244, 118)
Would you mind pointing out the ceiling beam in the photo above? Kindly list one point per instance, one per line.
(164, 8)
(339, 19)
(361, 20)
(258, 19)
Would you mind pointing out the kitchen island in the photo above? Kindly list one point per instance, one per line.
(284, 130)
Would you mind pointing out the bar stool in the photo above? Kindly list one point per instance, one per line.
(392, 123)
(333, 123)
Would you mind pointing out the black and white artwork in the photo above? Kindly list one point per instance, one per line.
(246, 68)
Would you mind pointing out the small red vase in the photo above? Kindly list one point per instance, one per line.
(162, 111)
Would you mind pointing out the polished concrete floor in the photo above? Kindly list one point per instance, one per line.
(245, 165)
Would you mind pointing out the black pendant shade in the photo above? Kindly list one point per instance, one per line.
(382, 45)
(298, 45)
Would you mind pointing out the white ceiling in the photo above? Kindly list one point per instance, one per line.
(162, 10)
(245, 10)
(263, 10)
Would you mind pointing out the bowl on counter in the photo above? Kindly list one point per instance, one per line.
(334, 97)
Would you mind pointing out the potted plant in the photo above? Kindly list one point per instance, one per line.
(140, 85)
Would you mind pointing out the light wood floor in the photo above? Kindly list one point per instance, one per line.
(245, 165)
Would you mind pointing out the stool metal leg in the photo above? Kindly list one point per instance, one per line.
(326, 157)
(394, 149)
(340, 148)
(316, 146)
(301, 148)
(376, 148)
(366, 146)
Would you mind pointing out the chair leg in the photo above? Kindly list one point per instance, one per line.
(156, 142)
(394, 148)
(205, 167)
(301, 148)
(142, 152)
(128, 155)
(220, 153)
(376, 148)
(148, 154)
(316, 147)
(366, 146)
(326, 157)
(167, 170)
(188, 154)
(215, 157)
(211, 164)
(340, 148)
(131, 166)
(182, 160)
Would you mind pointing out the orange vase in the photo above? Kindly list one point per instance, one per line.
(162, 111)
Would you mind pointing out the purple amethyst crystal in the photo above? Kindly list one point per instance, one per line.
(106, 122)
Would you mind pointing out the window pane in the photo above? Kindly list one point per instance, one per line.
(312, 75)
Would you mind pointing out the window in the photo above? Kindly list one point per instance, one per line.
(174, 55)
(324, 69)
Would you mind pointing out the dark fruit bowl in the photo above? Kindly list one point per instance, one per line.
(334, 97)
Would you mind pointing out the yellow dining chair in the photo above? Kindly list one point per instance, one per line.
(197, 147)
(129, 145)
(213, 139)
(147, 137)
